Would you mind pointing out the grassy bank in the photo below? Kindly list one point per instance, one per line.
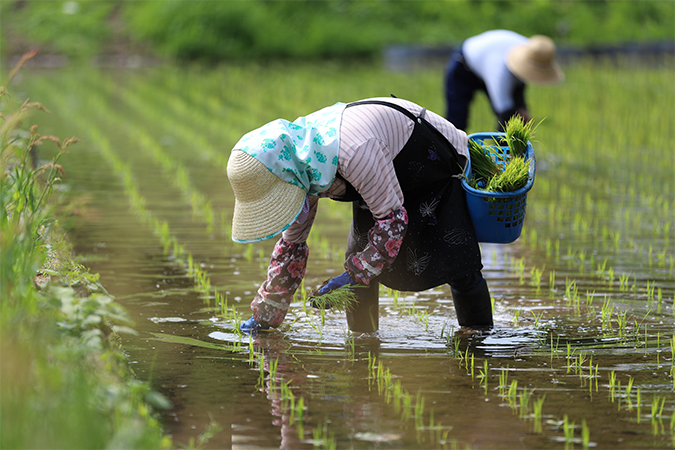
(64, 381)
(226, 30)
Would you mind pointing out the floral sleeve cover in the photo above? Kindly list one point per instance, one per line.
(384, 243)
(284, 275)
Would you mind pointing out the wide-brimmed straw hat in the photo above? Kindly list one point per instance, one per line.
(534, 62)
(265, 205)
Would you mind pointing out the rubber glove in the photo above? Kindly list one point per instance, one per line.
(251, 326)
(334, 283)
(337, 282)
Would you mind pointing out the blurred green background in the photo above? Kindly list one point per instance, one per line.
(218, 30)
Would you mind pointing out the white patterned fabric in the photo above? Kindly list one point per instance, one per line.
(303, 152)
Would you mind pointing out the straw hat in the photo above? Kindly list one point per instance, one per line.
(264, 204)
(534, 62)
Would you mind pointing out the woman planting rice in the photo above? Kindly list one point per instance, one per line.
(399, 164)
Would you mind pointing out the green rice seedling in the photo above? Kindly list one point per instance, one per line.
(638, 404)
(351, 346)
(525, 397)
(503, 380)
(483, 167)
(342, 298)
(656, 410)
(537, 412)
(606, 313)
(419, 407)
(535, 277)
(568, 431)
(519, 266)
(516, 317)
(512, 394)
(537, 318)
(612, 385)
(299, 411)
(623, 282)
(513, 177)
(518, 133)
(628, 390)
(659, 298)
(622, 323)
(585, 434)
(483, 375)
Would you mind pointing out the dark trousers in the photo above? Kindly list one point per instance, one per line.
(461, 85)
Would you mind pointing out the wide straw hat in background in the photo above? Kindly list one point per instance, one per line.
(534, 62)
(264, 204)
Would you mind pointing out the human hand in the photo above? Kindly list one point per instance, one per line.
(337, 282)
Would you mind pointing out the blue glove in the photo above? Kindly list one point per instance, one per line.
(337, 282)
(251, 326)
(331, 285)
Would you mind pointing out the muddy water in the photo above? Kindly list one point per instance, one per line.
(583, 300)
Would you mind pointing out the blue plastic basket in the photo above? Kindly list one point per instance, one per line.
(497, 216)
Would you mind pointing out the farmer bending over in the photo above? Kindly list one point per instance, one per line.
(401, 167)
(499, 63)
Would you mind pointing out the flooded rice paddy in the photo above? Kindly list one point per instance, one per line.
(583, 346)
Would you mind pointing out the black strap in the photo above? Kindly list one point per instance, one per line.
(391, 105)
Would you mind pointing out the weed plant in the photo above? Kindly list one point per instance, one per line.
(58, 326)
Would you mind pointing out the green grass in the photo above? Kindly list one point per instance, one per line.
(215, 31)
(65, 383)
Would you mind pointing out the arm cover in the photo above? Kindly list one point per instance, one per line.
(284, 275)
(384, 242)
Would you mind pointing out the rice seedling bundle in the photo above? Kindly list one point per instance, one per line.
(342, 298)
(483, 166)
(517, 134)
(491, 171)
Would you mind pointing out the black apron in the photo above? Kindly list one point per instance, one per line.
(440, 242)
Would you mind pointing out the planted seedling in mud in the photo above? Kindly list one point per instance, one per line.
(585, 434)
(568, 431)
(525, 397)
(657, 409)
(503, 380)
(537, 409)
(483, 375)
(535, 277)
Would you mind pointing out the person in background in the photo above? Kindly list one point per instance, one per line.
(400, 166)
(500, 63)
